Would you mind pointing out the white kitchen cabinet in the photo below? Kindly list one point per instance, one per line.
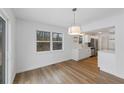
(86, 38)
(78, 54)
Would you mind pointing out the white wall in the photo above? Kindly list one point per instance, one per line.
(106, 61)
(118, 22)
(11, 44)
(26, 56)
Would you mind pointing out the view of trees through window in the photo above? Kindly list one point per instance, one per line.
(57, 41)
(44, 41)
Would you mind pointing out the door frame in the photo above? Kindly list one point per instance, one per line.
(5, 18)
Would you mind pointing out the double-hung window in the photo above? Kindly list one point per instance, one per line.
(43, 41)
(47, 41)
(57, 39)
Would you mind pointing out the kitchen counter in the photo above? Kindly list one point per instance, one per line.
(107, 51)
(81, 53)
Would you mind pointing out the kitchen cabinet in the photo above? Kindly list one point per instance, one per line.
(78, 54)
(86, 38)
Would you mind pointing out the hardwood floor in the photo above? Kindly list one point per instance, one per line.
(69, 72)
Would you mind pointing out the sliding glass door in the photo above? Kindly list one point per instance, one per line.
(2, 51)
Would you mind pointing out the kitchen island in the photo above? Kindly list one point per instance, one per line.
(81, 53)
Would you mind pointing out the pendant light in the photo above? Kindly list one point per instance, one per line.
(74, 30)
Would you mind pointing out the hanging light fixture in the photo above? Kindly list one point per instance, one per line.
(74, 30)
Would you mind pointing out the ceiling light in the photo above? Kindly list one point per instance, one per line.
(74, 30)
(100, 32)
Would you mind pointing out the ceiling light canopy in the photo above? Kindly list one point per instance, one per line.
(74, 30)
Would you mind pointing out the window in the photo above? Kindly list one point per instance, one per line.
(43, 41)
(57, 41)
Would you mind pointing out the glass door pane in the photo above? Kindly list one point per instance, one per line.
(2, 51)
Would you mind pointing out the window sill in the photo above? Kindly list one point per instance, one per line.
(57, 50)
(44, 52)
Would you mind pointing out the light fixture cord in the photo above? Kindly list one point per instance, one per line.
(74, 17)
(74, 10)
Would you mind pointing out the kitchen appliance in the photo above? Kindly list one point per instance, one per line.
(94, 46)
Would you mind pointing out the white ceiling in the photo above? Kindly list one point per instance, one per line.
(64, 16)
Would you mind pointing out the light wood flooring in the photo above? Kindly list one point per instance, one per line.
(69, 72)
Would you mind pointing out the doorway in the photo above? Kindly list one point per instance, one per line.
(2, 50)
